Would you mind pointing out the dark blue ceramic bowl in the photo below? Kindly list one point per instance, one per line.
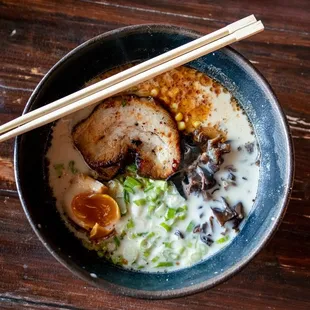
(138, 43)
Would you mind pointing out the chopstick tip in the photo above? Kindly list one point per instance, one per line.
(239, 24)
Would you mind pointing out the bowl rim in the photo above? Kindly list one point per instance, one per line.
(164, 294)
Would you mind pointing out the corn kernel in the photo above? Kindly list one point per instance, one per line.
(181, 125)
(173, 92)
(154, 92)
(164, 89)
(179, 117)
(174, 107)
(196, 124)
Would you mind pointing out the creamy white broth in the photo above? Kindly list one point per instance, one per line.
(225, 116)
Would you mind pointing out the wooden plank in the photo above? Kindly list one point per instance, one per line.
(35, 34)
(283, 15)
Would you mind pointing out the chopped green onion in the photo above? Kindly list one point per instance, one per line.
(59, 168)
(147, 253)
(129, 189)
(126, 196)
(152, 196)
(142, 234)
(72, 167)
(165, 226)
(164, 264)
(144, 243)
(124, 103)
(182, 209)
(159, 191)
(100, 253)
(150, 187)
(181, 217)
(134, 236)
(150, 235)
(140, 202)
(132, 168)
(130, 224)
(131, 182)
(121, 179)
(181, 213)
(151, 208)
(174, 256)
(117, 260)
(168, 245)
(116, 241)
(182, 250)
(170, 214)
(163, 185)
(123, 234)
(161, 210)
(222, 240)
(140, 267)
(155, 259)
(190, 226)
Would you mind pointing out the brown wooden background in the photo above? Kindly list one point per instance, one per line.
(34, 34)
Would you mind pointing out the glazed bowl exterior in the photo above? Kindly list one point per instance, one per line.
(138, 43)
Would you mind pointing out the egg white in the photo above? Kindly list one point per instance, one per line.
(79, 184)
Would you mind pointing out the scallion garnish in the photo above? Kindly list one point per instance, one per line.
(140, 202)
(170, 214)
(126, 196)
(59, 168)
(130, 224)
(132, 168)
(116, 241)
(71, 166)
(124, 102)
(151, 208)
(149, 188)
(129, 189)
(190, 226)
(164, 264)
(131, 182)
(165, 226)
(168, 245)
(222, 240)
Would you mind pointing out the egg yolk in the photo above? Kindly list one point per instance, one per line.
(92, 209)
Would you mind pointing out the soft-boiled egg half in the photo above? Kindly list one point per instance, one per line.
(87, 204)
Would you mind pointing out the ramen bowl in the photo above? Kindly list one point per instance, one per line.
(243, 81)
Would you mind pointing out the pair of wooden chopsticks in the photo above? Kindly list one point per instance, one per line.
(234, 32)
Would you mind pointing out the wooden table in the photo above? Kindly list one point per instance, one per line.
(34, 34)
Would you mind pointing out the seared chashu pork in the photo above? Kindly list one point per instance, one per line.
(129, 124)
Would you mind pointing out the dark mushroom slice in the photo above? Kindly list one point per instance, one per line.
(249, 147)
(239, 217)
(179, 234)
(204, 227)
(197, 229)
(206, 239)
(223, 212)
(200, 161)
(211, 219)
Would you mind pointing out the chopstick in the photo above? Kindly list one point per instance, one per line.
(83, 93)
(138, 77)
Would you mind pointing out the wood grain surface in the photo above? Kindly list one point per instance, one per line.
(34, 34)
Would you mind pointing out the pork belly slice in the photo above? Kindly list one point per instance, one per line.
(126, 125)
